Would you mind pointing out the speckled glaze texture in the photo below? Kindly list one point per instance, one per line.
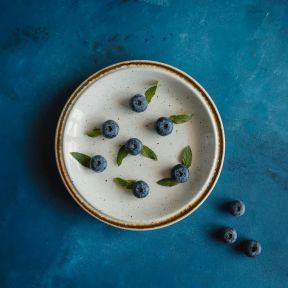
(107, 94)
(236, 49)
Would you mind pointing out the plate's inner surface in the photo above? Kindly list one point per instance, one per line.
(107, 98)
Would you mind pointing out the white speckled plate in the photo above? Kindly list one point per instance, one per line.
(105, 95)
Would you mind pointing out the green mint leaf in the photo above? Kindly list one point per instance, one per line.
(95, 132)
(168, 182)
(81, 158)
(150, 92)
(147, 152)
(128, 184)
(121, 155)
(187, 156)
(179, 119)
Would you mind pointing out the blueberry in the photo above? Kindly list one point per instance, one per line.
(252, 248)
(237, 208)
(134, 146)
(229, 235)
(110, 129)
(98, 163)
(140, 189)
(138, 103)
(164, 126)
(180, 173)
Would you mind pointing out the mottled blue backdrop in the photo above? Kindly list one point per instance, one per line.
(236, 49)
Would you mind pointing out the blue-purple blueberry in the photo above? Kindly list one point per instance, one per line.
(229, 235)
(98, 163)
(140, 189)
(252, 248)
(138, 103)
(180, 173)
(110, 129)
(237, 208)
(164, 126)
(134, 146)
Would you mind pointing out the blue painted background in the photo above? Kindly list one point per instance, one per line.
(236, 49)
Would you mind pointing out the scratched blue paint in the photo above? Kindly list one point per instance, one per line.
(236, 49)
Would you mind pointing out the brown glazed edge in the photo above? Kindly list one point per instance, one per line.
(192, 206)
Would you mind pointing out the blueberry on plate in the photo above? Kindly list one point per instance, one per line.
(164, 126)
(229, 235)
(180, 173)
(138, 103)
(253, 248)
(134, 146)
(98, 163)
(110, 129)
(140, 189)
(237, 208)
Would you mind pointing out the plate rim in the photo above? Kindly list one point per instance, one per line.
(191, 206)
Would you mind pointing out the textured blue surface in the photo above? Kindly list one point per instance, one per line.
(236, 49)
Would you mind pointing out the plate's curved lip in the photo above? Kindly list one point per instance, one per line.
(190, 207)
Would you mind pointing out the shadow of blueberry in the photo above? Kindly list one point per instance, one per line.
(166, 172)
(225, 207)
(240, 246)
(217, 234)
(150, 125)
(124, 103)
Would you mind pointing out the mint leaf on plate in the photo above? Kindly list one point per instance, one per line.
(150, 92)
(187, 156)
(179, 119)
(94, 133)
(82, 158)
(121, 155)
(147, 152)
(128, 184)
(169, 182)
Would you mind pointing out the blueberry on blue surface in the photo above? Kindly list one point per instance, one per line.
(138, 103)
(110, 129)
(140, 189)
(229, 235)
(98, 163)
(134, 146)
(180, 173)
(164, 126)
(237, 208)
(253, 248)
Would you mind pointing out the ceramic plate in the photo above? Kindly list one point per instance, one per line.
(105, 95)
